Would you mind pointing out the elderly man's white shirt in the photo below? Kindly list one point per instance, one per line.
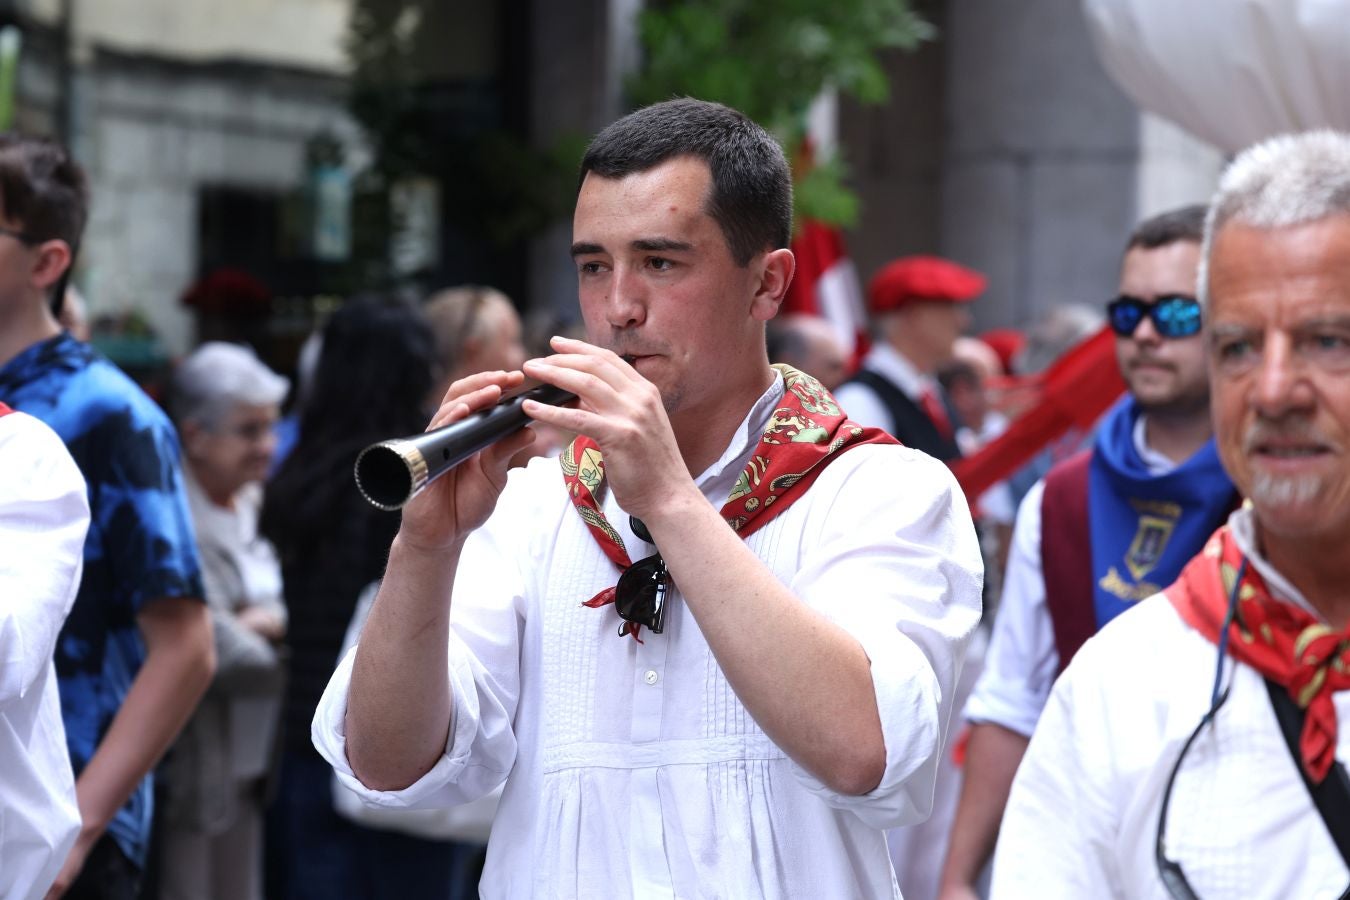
(1083, 814)
(635, 770)
(44, 515)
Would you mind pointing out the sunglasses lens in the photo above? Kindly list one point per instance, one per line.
(1177, 317)
(1173, 317)
(1125, 315)
(640, 594)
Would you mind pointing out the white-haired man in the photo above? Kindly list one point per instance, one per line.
(1192, 749)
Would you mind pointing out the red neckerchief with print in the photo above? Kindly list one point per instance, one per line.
(806, 431)
(5, 410)
(1280, 640)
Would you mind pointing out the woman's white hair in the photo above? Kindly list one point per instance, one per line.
(1287, 180)
(217, 376)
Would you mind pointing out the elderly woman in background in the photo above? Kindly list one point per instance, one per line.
(225, 403)
(477, 329)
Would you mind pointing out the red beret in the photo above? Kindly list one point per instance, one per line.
(1007, 343)
(917, 278)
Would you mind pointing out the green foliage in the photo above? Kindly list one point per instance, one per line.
(494, 181)
(384, 94)
(770, 59)
(820, 194)
(524, 189)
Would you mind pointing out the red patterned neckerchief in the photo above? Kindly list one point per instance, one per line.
(806, 431)
(5, 410)
(1280, 640)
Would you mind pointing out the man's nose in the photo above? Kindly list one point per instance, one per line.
(1281, 384)
(626, 304)
(1146, 332)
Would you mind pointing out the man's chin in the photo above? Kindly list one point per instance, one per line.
(1152, 388)
(1290, 506)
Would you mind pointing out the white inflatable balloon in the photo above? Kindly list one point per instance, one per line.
(1230, 71)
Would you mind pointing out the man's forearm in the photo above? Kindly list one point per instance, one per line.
(399, 704)
(805, 680)
(992, 756)
(163, 695)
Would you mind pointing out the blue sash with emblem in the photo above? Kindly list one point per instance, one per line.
(1146, 527)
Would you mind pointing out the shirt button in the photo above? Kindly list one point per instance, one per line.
(651, 677)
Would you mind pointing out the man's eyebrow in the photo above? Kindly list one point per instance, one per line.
(1229, 331)
(581, 248)
(659, 244)
(1233, 329)
(1331, 320)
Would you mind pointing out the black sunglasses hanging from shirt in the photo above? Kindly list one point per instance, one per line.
(640, 595)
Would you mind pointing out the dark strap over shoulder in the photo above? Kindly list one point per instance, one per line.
(913, 428)
(1332, 796)
(1066, 555)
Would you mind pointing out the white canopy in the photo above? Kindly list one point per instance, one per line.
(1230, 71)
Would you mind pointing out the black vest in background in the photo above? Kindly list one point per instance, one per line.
(913, 428)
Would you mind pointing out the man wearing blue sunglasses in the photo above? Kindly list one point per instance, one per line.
(1105, 529)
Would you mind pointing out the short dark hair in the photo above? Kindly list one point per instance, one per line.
(958, 373)
(751, 197)
(783, 342)
(1184, 224)
(42, 189)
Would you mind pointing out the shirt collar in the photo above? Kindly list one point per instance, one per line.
(716, 481)
(894, 366)
(38, 360)
(1242, 526)
(1155, 462)
(747, 434)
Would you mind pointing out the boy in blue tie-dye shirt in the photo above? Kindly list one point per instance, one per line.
(135, 654)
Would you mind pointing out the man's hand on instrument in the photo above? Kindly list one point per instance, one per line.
(622, 412)
(463, 498)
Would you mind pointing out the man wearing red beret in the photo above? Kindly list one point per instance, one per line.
(918, 306)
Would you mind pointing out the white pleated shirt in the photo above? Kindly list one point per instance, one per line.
(44, 515)
(1082, 818)
(634, 770)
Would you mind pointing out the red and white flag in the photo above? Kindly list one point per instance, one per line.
(826, 283)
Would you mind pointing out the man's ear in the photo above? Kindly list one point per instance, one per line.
(775, 274)
(191, 433)
(49, 263)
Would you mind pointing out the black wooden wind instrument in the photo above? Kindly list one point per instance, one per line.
(391, 473)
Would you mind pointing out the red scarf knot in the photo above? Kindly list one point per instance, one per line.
(1281, 641)
(804, 434)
